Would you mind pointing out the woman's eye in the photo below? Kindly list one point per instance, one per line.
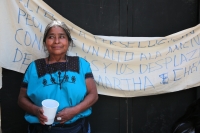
(50, 37)
(62, 36)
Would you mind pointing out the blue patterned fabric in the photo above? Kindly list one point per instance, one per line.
(68, 87)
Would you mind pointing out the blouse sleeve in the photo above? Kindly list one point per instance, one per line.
(27, 75)
(85, 67)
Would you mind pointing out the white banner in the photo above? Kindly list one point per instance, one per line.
(122, 66)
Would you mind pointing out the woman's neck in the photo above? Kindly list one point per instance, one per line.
(53, 59)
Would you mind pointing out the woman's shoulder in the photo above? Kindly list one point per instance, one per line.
(77, 59)
(39, 60)
(34, 64)
(40, 65)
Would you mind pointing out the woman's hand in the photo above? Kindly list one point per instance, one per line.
(26, 104)
(65, 115)
(42, 118)
(91, 97)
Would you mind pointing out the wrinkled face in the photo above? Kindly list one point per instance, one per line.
(56, 41)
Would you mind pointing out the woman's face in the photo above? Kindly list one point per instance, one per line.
(57, 41)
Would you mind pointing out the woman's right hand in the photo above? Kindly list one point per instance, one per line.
(25, 103)
(42, 118)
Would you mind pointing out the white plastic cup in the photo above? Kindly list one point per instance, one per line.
(50, 107)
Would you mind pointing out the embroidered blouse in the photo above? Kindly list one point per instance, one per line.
(61, 81)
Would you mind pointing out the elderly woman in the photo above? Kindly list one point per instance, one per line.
(66, 79)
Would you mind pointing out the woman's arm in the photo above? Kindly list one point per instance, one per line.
(89, 100)
(91, 97)
(25, 103)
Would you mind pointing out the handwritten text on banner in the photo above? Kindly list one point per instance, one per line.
(122, 66)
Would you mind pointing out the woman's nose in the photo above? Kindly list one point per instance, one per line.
(57, 40)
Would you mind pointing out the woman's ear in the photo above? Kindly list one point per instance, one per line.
(44, 45)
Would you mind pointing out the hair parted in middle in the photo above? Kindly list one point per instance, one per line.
(60, 24)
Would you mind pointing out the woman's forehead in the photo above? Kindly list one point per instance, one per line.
(56, 29)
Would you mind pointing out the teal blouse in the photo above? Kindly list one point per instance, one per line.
(61, 81)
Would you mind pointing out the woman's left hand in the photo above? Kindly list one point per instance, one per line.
(65, 115)
(91, 97)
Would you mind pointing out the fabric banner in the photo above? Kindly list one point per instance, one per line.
(122, 66)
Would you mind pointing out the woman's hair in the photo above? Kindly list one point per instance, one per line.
(60, 24)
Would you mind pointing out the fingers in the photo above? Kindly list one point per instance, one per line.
(61, 118)
(41, 117)
(40, 111)
(64, 115)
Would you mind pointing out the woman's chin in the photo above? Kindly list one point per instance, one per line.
(57, 53)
